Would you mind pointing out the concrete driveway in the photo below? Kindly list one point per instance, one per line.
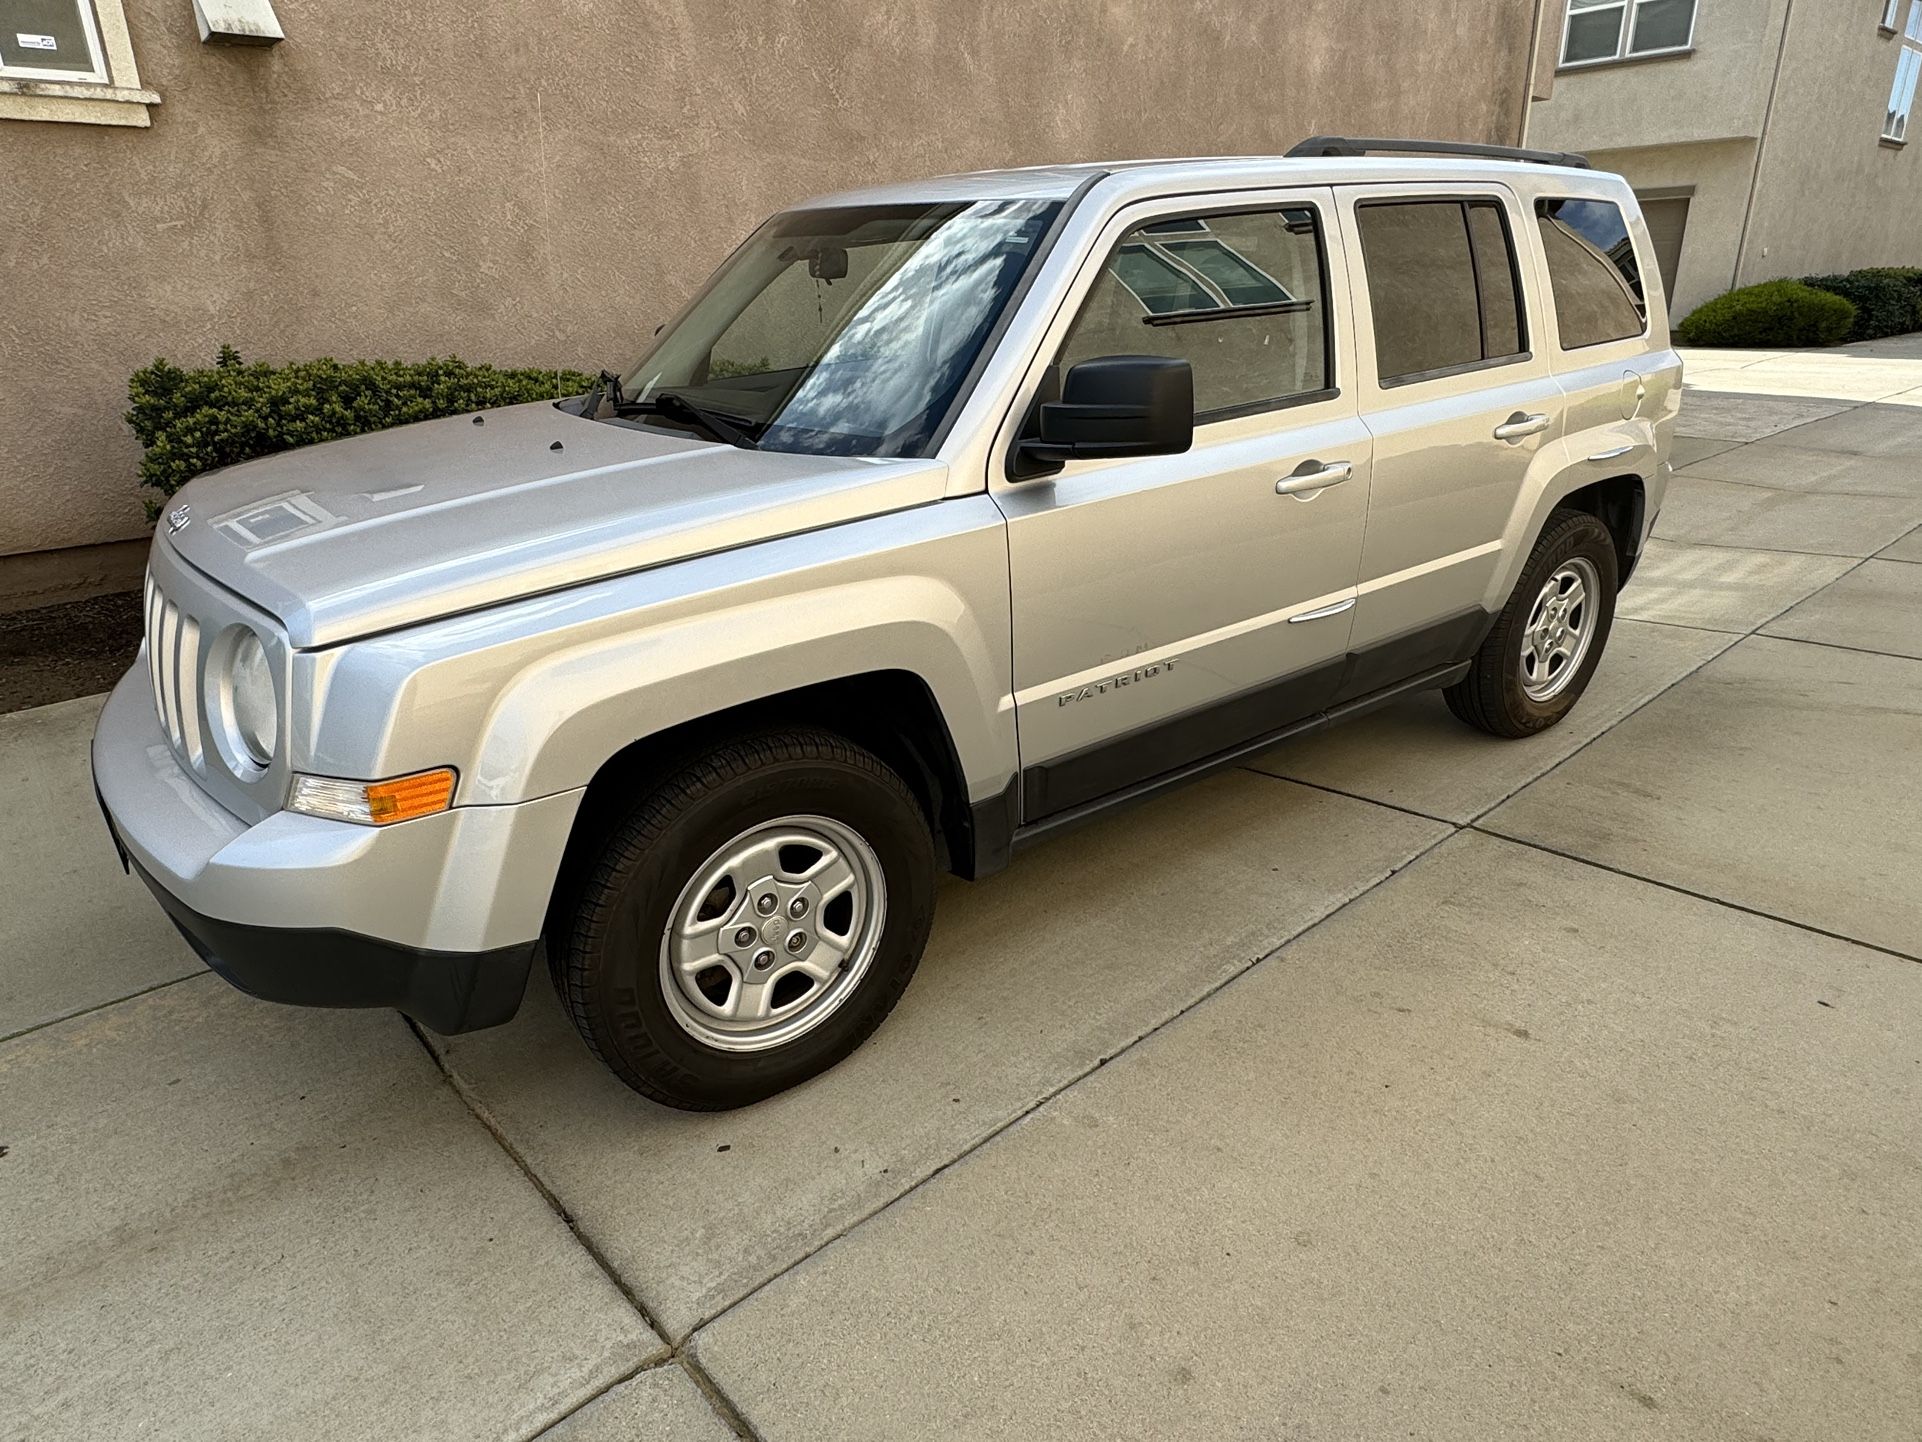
(1403, 1083)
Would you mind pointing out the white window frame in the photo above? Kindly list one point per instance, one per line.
(1908, 66)
(1628, 10)
(1890, 9)
(96, 52)
(111, 95)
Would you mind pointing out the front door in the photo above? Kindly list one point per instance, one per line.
(1172, 608)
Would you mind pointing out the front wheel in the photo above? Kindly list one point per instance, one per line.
(751, 921)
(1545, 645)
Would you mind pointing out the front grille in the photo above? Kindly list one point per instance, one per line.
(173, 659)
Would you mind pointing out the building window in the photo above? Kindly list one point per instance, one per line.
(69, 60)
(1890, 8)
(1895, 125)
(1600, 31)
(51, 40)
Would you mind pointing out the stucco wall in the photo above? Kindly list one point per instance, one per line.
(1715, 92)
(1829, 196)
(542, 181)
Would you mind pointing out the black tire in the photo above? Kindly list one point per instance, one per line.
(608, 968)
(1491, 697)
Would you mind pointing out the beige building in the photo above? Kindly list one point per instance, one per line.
(541, 182)
(1766, 137)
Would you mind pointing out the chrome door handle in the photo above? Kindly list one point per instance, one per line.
(1518, 426)
(1317, 479)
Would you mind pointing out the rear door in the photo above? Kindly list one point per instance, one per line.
(1459, 398)
(1170, 608)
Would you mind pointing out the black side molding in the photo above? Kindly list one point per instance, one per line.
(1142, 791)
(1114, 765)
(1440, 643)
(991, 827)
(1427, 656)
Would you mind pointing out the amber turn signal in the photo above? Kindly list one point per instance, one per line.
(374, 803)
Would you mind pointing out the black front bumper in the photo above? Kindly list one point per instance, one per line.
(448, 991)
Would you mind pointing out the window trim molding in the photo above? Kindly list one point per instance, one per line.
(1908, 58)
(96, 50)
(1891, 9)
(118, 100)
(1623, 55)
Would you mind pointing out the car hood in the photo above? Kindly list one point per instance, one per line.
(386, 530)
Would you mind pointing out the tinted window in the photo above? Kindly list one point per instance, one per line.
(1495, 281)
(1239, 297)
(1441, 282)
(1593, 271)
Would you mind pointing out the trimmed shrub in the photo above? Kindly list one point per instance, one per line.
(1774, 313)
(1886, 300)
(191, 421)
(1910, 276)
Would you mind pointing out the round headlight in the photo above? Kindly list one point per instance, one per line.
(256, 715)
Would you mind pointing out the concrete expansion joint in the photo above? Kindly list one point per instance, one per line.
(554, 1203)
(674, 1352)
(1780, 920)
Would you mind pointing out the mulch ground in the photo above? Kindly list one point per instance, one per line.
(75, 648)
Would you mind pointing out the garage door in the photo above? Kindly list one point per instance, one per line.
(1667, 219)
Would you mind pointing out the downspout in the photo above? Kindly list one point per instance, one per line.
(1528, 77)
(1761, 145)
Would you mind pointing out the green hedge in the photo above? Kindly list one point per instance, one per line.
(193, 420)
(1887, 298)
(1774, 313)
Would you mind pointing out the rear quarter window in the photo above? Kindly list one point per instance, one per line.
(1592, 270)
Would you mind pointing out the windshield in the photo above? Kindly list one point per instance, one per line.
(844, 331)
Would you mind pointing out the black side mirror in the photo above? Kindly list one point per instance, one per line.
(1119, 405)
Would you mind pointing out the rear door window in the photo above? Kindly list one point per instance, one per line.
(1241, 297)
(1442, 285)
(1593, 270)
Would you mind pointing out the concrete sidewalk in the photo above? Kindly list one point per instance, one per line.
(1403, 1083)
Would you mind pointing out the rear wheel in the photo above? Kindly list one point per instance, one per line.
(1545, 645)
(751, 921)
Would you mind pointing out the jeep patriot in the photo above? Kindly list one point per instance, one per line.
(947, 515)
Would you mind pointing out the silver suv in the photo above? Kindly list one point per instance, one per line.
(948, 515)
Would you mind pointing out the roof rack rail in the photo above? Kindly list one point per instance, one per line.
(1350, 145)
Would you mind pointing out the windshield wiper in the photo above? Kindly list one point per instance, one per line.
(605, 384)
(678, 406)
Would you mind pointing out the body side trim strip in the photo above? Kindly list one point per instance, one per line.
(1440, 563)
(1188, 645)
